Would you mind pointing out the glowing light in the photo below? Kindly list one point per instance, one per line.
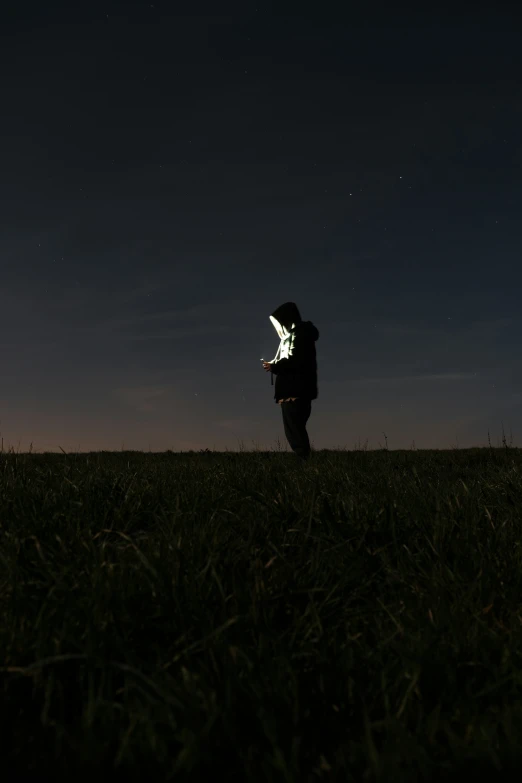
(287, 338)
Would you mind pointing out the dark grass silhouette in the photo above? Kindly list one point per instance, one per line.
(198, 616)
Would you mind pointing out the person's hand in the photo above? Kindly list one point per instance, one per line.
(267, 366)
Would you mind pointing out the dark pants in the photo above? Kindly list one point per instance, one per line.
(295, 415)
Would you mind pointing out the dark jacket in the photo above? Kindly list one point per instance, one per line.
(295, 365)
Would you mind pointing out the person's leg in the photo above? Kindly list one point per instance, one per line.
(295, 416)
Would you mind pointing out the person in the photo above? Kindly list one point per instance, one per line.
(295, 368)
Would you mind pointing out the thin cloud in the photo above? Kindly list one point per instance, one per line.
(176, 334)
(239, 423)
(141, 398)
(486, 327)
(450, 376)
(426, 377)
(202, 312)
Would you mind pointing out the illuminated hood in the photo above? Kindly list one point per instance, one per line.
(286, 320)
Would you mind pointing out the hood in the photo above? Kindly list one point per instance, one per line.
(286, 316)
(286, 319)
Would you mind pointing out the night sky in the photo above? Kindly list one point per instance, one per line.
(171, 173)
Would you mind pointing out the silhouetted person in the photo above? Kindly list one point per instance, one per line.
(295, 368)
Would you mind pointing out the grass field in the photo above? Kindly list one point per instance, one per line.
(196, 617)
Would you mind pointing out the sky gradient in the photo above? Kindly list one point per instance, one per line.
(168, 180)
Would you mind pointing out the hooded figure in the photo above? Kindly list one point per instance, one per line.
(295, 368)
